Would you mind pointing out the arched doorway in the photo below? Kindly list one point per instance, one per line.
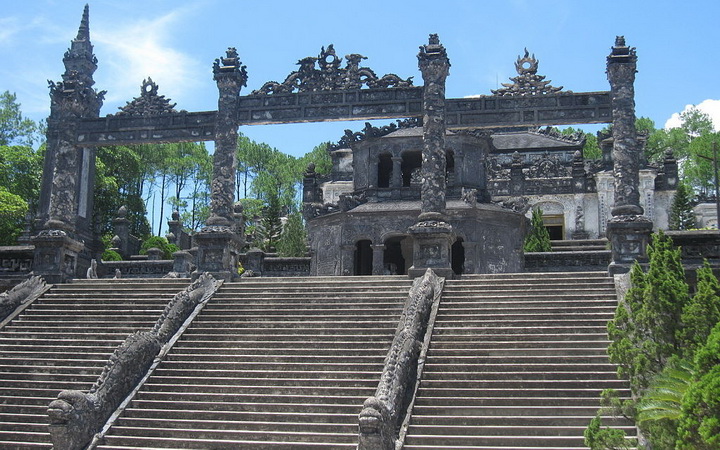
(363, 258)
(457, 261)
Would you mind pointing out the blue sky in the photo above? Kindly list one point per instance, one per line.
(176, 42)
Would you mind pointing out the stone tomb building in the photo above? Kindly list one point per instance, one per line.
(374, 196)
(366, 205)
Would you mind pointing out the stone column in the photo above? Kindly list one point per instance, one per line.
(628, 230)
(218, 243)
(378, 268)
(396, 172)
(432, 235)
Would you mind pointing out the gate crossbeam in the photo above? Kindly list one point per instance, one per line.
(362, 104)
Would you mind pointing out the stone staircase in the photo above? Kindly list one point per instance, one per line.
(62, 341)
(580, 245)
(269, 363)
(516, 361)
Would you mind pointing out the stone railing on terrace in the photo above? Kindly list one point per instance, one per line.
(76, 416)
(258, 263)
(382, 415)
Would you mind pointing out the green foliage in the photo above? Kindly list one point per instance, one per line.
(12, 216)
(665, 296)
(702, 312)
(682, 216)
(14, 128)
(270, 225)
(698, 167)
(319, 156)
(111, 255)
(598, 437)
(293, 239)
(538, 240)
(591, 149)
(663, 398)
(159, 242)
(699, 427)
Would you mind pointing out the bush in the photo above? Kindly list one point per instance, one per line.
(159, 242)
(111, 255)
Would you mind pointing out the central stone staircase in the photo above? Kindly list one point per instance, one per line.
(269, 363)
(516, 361)
(62, 341)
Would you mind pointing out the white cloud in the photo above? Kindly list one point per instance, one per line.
(133, 52)
(709, 106)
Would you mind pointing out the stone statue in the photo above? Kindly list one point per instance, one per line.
(92, 270)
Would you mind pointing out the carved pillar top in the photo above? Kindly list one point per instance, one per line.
(621, 69)
(435, 67)
(230, 76)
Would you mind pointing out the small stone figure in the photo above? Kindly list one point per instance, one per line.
(92, 270)
(118, 274)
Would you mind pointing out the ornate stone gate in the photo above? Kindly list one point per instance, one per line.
(320, 90)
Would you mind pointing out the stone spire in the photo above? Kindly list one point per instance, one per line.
(79, 60)
(628, 230)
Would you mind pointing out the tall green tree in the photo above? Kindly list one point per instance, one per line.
(682, 216)
(15, 129)
(538, 240)
(12, 216)
(293, 239)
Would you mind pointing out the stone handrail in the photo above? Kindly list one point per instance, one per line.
(382, 414)
(76, 416)
(22, 294)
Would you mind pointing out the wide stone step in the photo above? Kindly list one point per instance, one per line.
(297, 407)
(512, 345)
(519, 421)
(480, 385)
(507, 430)
(317, 367)
(202, 423)
(520, 391)
(9, 438)
(248, 350)
(518, 442)
(506, 373)
(480, 401)
(512, 352)
(509, 360)
(239, 381)
(238, 435)
(304, 389)
(220, 414)
(142, 443)
(282, 358)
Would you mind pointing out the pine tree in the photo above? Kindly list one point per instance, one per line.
(293, 240)
(270, 224)
(682, 216)
(539, 239)
(702, 312)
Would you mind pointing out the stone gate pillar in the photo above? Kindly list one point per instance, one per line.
(66, 242)
(628, 229)
(219, 243)
(432, 235)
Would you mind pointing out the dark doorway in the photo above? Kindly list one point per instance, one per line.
(457, 257)
(554, 223)
(385, 167)
(363, 258)
(410, 166)
(393, 260)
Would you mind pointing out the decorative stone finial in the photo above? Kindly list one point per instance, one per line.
(621, 53)
(230, 67)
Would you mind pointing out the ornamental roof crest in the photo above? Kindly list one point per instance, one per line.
(370, 132)
(528, 82)
(329, 76)
(149, 103)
